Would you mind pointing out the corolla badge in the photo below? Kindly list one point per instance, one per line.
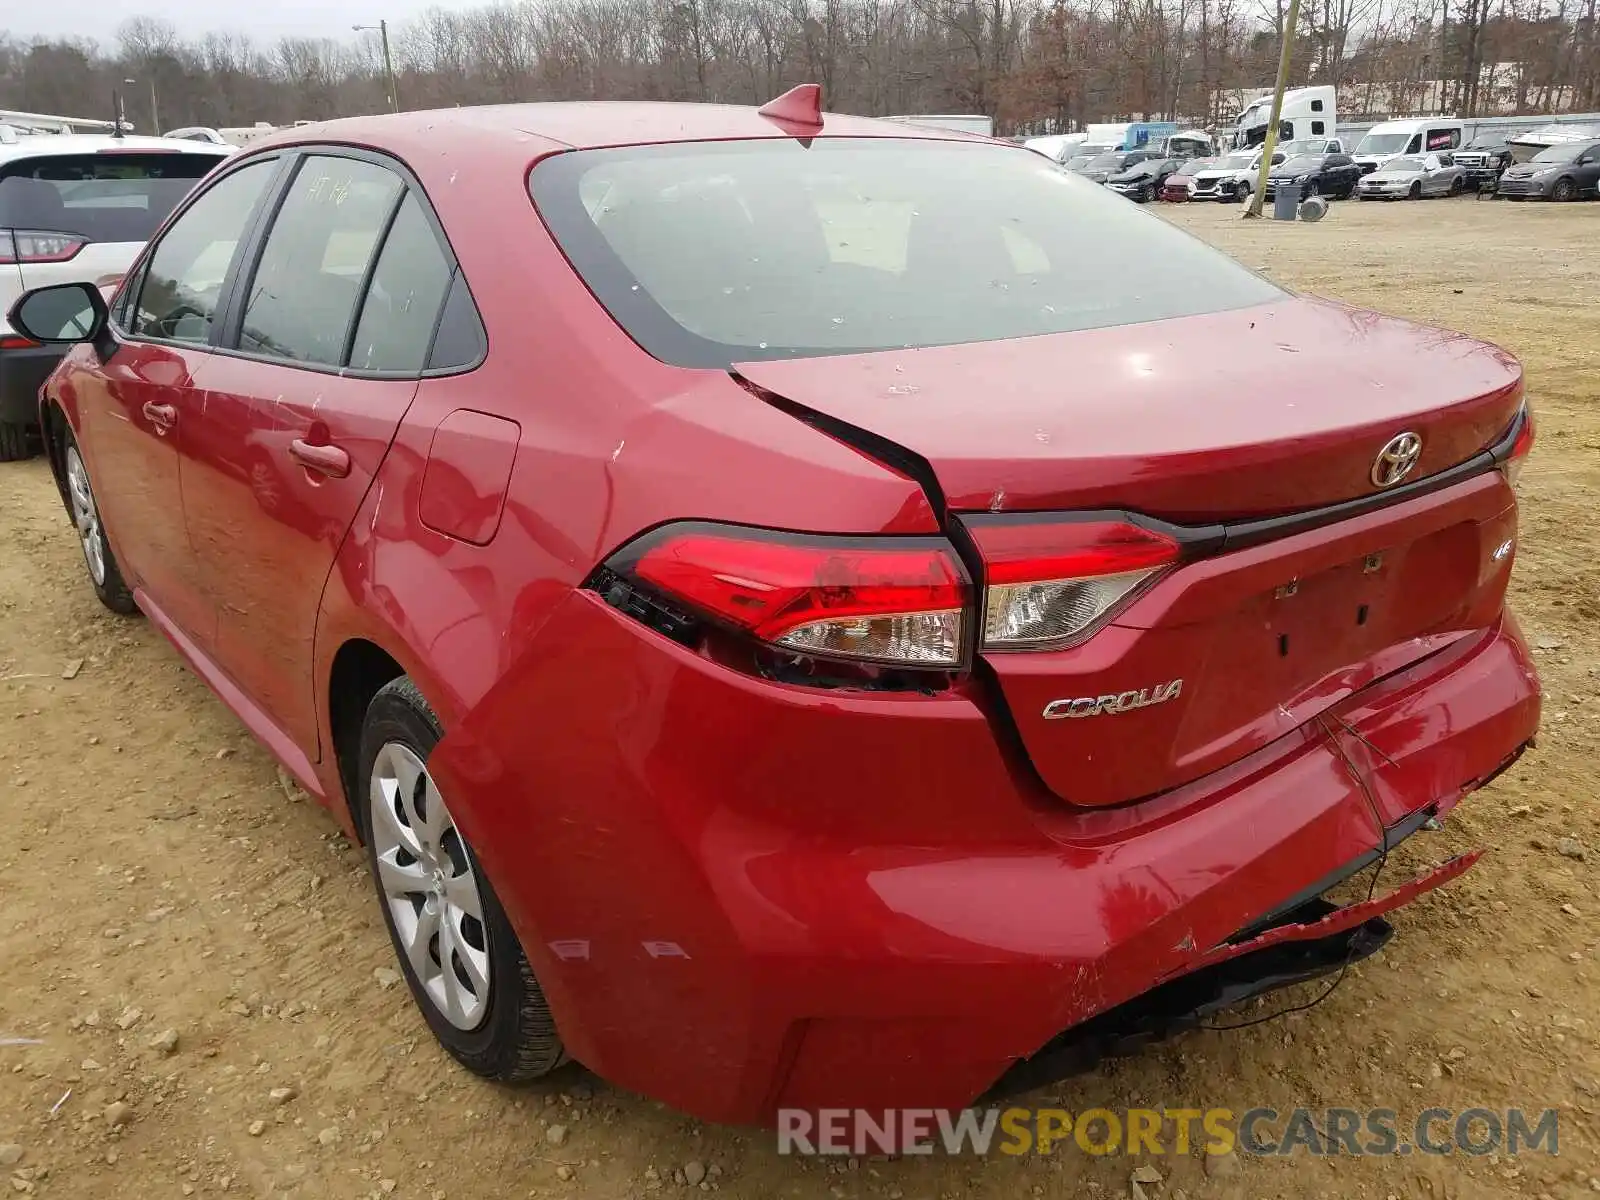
(1395, 460)
(1118, 702)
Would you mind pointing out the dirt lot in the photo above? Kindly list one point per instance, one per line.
(155, 875)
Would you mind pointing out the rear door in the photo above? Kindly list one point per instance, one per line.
(328, 337)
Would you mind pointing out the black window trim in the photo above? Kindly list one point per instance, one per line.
(247, 256)
(127, 302)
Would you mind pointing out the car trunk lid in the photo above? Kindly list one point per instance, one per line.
(1225, 425)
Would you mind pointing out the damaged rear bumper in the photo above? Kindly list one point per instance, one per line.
(877, 910)
(1316, 940)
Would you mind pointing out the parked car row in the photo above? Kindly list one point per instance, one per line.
(1413, 160)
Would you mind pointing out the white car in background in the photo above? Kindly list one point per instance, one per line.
(1232, 177)
(76, 208)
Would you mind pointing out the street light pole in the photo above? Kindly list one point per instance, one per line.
(382, 28)
(155, 119)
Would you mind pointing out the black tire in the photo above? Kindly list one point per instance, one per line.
(1564, 190)
(516, 1040)
(1143, 195)
(1311, 190)
(1241, 193)
(17, 441)
(112, 590)
(1457, 186)
(1416, 191)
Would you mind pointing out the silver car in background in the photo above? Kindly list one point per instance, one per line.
(1413, 176)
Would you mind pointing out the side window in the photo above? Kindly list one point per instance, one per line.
(1414, 144)
(178, 297)
(302, 298)
(1318, 128)
(403, 301)
(461, 341)
(1316, 106)
(127, 307)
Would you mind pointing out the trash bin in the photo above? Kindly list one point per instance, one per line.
(1285, 201)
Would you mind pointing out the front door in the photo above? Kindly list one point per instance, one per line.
(325, 354)
(134, 425)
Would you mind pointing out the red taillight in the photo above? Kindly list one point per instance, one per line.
(901, 601)
(1518, 458)
(38, 246)
(1054, 582)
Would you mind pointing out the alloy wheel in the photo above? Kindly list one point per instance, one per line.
(86, 516)
(429, 884)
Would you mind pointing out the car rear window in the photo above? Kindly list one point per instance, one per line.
(709, 254)
(106, 197)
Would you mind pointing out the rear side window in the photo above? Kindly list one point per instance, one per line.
(178, 298)
(308, 282)
(710, 254)
(107, 197)
(402, 304)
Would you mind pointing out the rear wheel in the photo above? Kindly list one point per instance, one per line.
(459, 955)
(17, 442)
(104, 573)
(1565, 189)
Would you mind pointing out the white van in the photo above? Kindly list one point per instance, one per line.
(1419, 135)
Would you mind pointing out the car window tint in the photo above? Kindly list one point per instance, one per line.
(460, 340)
(402, 304)
(120, 197)
(178, 299)
(303, 295)
(712, 254)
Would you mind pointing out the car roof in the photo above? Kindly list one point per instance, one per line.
(583, 125)
(45, 145)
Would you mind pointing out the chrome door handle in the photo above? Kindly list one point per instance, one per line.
(162, 416)
(325, 460)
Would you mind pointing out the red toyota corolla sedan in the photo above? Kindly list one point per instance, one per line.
(794, 618)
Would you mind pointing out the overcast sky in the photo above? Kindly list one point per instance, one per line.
(261, 19)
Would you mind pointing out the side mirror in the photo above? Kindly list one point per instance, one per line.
(62, 314)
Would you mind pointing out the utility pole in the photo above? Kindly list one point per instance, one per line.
(155, 117)
(388, 63)
(1271, 144)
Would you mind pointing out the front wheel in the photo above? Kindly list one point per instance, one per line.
(1242, 193)
(1564, 190)
(1311, 191)
(104, 573)
(1416, 191)
(460, 957)
(1457, 186)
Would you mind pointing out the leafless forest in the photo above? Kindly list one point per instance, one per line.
(1032, 64)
